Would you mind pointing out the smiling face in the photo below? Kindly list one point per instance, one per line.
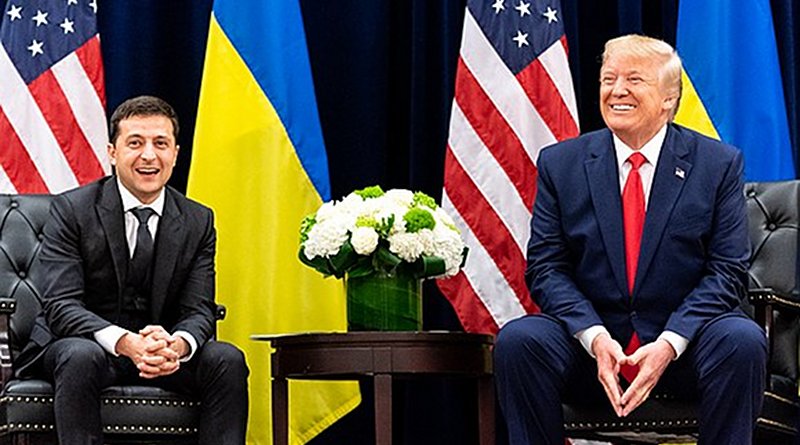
(144, 153)
(634, 101)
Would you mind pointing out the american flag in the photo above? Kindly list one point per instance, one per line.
(513, 97)
(52, 97)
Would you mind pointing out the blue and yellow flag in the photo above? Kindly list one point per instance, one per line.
(259, 161)
(732, 82)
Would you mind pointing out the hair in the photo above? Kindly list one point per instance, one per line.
(648, 47)
(142, 106)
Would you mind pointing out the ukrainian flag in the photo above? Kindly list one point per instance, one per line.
(259, 161)
(732, 82)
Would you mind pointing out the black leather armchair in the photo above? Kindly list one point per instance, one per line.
(774, 302)
(131, 414)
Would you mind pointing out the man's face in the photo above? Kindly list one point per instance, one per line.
(144, 155)
(633, 100)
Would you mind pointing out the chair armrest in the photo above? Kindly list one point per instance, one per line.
(768, 298)
(7, 307)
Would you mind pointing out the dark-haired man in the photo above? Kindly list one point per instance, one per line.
(128, 296)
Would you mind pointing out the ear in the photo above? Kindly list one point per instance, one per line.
(177, 151)
(669, 102)
(112, 153)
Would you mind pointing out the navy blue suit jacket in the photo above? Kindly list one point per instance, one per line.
(695, 248)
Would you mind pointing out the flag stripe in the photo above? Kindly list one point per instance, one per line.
(487, 175)
(556, 64)
(82, 100)
(92, 61)
(51, 100)
(30, 126)
(5, 181)
(545, 97)
(17, 166)
(494, 132)
(487, 227)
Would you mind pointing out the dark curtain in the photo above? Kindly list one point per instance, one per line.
(384, 74)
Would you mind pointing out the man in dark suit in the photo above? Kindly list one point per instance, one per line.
(637, 258)
(128, 294)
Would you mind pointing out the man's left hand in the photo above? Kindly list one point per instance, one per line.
(652, 360)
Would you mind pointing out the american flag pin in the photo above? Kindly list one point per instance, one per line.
(680, 173)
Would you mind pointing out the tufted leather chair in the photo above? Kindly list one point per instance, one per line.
(774, 302)
(131, 414)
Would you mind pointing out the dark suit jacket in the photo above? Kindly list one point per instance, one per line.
(694, 253)
(83, 265)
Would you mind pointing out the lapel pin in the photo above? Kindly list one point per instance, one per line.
(680, 173)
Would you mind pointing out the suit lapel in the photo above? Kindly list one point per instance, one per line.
(109, 210)
(169, 238)
(603, 180)
(671, 174)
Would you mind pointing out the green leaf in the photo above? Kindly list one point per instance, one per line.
(320, 264)
(342, 261)
(383, 259)
(428, 266)
(362, 268)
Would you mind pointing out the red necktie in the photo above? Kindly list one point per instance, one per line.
(633, 212)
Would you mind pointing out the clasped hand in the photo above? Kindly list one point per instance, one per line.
(154, 351)
(652, 359)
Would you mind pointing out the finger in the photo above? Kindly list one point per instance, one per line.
(155, 345)
(613, 391)
(154, 360)
(149, 329)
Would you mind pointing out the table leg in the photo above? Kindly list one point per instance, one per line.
(280, 412)
(486, 419)
(383, 409)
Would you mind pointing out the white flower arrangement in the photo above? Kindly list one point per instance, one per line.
(371, 230)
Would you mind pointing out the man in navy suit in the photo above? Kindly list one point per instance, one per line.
(637, 258)
(128, 290)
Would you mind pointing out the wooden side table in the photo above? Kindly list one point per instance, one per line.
(381, 356)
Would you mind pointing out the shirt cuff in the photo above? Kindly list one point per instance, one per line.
(678, 342)
(587, 336)
(192, 344)
(108, 338)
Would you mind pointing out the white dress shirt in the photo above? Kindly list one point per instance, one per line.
(650, 151)
(109, 336)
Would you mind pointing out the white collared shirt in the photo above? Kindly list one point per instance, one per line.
(650, 150)
(109, 336)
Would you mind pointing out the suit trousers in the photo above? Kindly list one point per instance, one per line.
(80, 368)
(538, 364)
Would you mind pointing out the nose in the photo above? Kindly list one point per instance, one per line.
(149, 151)
(619, 88)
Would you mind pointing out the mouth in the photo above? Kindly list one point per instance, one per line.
(147, 171)
(622, 107)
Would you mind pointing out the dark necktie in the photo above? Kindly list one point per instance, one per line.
(633, 213)
(143, 252)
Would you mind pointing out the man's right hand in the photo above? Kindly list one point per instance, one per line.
(146, 353)
(608, 354)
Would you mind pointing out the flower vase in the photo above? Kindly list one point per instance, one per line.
(384, 302)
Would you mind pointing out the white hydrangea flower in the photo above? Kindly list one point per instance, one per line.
(449, 247)
(326, 211)
(326, 238)
(364, 240)
(405, 245)
(400, 197)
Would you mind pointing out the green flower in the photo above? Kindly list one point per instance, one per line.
(367, 221)
(370, 192)
(306, 225)
(417, 219)
(421, 199)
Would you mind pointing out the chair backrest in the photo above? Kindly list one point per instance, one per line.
(772, 209)
(22, 219)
